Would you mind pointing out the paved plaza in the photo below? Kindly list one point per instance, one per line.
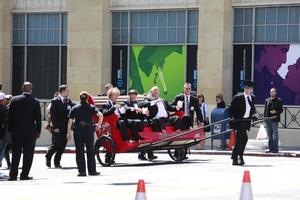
(200, 177)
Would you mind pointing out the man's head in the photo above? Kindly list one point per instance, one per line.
(132, 95)
(113, 94)
(187, 87)
(64, 90)
(108, 86)
(248, 87)
(273, 92)
(154, 91)
(83, 96)
(27, 87)
(219, 97)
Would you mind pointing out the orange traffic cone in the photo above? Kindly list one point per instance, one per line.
(141, 192)
(231, 140)
(246, 191)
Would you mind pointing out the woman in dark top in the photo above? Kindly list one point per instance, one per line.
(220, 101)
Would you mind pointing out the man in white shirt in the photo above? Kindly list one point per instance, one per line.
(241, 110)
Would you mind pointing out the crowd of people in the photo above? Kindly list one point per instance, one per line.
(21, 118)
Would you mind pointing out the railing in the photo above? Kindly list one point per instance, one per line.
(290, 118)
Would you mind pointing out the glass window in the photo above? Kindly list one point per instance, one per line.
(172, 18)
(260, 16)
(143, 22)
(116, 36)
(271, 15)
(116, 21)
(153, 35)
(162, 19)
(248, 16)
(180, 35)
(30, 21)
(271, 33)
(192, 18)
(134, 20)
(124, 36)
(192, 35)
(181, 18)
(238, 34)
(134, 35)
(282, 33)
(238, 16)
(124, 20)
(294, 15)
(172, 35)
(247, 33)
(260, 33)
(282, 16)
(162, 35)
(153, 19)
(16, 21)
(143, 35)
(293, 33)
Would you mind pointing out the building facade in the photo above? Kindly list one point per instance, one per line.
(214, 44)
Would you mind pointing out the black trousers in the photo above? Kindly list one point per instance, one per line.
(26, 145)
(186, 123)
(85, 137)
(241, 140)
(121, 124)
(158, 124)
(59, 142)
(135, 126)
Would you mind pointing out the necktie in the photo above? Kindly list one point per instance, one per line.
(250, 102)
(65, 101)
(186, 106)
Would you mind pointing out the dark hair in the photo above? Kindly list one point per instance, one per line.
(0, 86)
(62, 88)
(201, 95)
(55, 94)
(83, 98)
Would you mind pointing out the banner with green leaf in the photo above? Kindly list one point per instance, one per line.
(163, 66)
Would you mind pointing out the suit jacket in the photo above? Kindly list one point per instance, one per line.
(130, 112)
(108, 109)
(153, 109)
(24, 116)
(237, 110)
(194, 106)
(59, 113)
(273, 104)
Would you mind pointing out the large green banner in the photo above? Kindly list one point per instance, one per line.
(162, 66)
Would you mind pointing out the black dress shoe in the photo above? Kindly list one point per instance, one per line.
(81, 174)
(25, 178)
(94, 174)
(152, 157)
(242, 162)
(269, 151)
(142, 157)
(58, 166)
(48, 162)
(235, 162)
(12, 179)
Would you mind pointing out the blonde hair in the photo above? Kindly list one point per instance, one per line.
(153, 88)
(112, 91)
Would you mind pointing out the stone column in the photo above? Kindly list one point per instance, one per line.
(215, 49)
(88, 46)
(5, 46)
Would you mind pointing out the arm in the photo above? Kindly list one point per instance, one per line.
(170, 107)
(69, 134)
(38, 118)
(100, 115)
(198, 112)
(107, 110)
(280, 106)
(53, 111)
(10, 116)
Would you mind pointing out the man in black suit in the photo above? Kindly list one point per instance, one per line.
(159, 111)
(134, 116)
(188, 104)
(59, 111)
(241, 111)
(111, 107)
(24, 124)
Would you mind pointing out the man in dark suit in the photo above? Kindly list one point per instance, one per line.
(159, 111)
(111, 107)
(241, 111)
(188, 104)
(59, 111)
(24, 124)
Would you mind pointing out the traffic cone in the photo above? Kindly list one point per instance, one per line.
(246, 191)
(231, 140)
(141, 192)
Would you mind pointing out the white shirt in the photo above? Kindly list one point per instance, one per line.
(248, 107)
(62, 98)
(204, 110)
(161, 110)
